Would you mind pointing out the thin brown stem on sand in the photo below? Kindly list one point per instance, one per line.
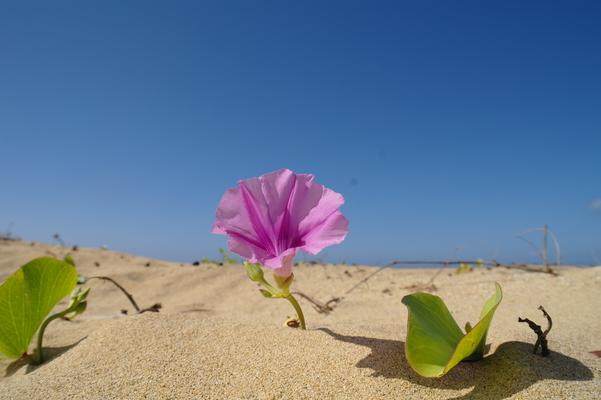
(541, 340)
(154, 308)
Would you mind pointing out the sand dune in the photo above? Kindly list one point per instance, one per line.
(216, 337)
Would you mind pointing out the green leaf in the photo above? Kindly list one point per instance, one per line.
(435, 343)
(27, 297)
(266, 293)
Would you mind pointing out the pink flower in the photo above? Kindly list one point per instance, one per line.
(270, 217)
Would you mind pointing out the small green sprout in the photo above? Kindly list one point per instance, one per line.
(462, 268)
(225, 255)
(28, 296)
(435, 342)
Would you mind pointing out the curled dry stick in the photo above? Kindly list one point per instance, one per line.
(153, 308)
(542, 336)
(322, 308)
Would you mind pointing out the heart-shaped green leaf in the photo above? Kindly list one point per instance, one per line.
(26, 299)
(435, 343)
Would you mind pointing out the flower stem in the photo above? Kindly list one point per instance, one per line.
(297, 308)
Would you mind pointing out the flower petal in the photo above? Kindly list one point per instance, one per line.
(233, 218)
(268, 218)
(282, 264)
(246, 249)
(281, 200)
(328, 203)
(331, 230)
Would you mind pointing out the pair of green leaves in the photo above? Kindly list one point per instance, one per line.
(29, 295)
(435, 343)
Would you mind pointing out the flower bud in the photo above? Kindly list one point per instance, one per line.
(254, 272)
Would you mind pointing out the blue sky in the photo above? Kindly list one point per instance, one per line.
(448, 126)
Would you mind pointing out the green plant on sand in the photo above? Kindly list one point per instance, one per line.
(226, 257)
(435, 343)
(28, 296)
(280, 291)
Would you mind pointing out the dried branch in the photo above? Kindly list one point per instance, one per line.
(492, 263)
(334, 301)
(328, 307)
(58, 238)
(543, 253)
(362, 281)
(8, 235)
(557, 248)
(318, 306)
(541, 340)
(538, 252)
(428, 286)
(154, 308)
(528, 268)
(549, 320)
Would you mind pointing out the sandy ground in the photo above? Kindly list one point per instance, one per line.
(218, 338)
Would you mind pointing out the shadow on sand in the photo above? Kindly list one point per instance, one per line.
(511, 369)
(196, 310)
(50, 353)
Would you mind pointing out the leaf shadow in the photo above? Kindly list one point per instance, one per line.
(509, 370)
(50, 353)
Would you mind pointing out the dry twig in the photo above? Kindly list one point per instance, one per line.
(328, 307)
(541, 341)
(153, 308)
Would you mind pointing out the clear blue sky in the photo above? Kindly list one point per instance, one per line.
(448, 126)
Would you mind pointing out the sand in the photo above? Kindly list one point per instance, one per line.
(217, 338)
